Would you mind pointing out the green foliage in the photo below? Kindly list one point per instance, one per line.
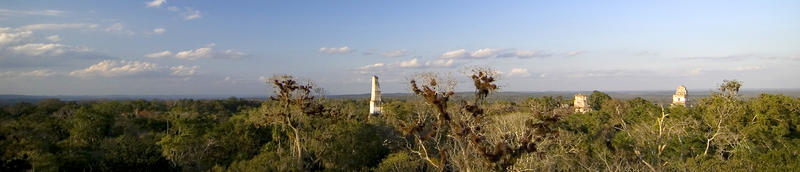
(721, 132)
(403, 161)
(596, 99)
(354, 145)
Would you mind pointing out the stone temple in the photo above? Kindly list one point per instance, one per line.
(375, 99)
(679, 99)
(580, 103)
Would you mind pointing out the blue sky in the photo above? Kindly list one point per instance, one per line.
(228, 48)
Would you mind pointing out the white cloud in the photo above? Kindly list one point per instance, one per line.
(155, 3)
(200, 53)
(123, 68)
(191, 14)
(410, 63)
(263, 79)
(394, 53)
(521, 72)
(484, 53)
(499, 53)
(112, 68)
(173, 8)
(739, 57)
(574, 53)
(159, 54)
(38, 49)
(524, 54)
(695, 71)
(404, 65)
(53, 38)
(333, 50)
(440, 63)
(59, 26)
(159, 31)
(32, 74)
(232, 54)
(614, 73)
(183, 71)
(647, 53)
(460, 53)
(7, 12)
(13, 37)
(748, 68)
(477, 54)
(118, 28)
(195, 54)
(376, 65)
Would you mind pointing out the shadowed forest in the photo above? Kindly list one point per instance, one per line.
(299, 130)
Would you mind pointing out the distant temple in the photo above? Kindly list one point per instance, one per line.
(375, 99)
(580, 103)
(679, 99)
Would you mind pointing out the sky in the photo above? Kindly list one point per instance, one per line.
(210, 47)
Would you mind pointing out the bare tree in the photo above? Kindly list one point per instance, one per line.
(432, 137)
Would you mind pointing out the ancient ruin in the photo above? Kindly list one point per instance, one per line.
(375, 99)
(580, 103)
(679, 99)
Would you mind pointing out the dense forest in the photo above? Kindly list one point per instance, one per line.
(299, 130)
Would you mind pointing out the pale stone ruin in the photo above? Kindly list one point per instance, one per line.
(580, 103)
(679, 99)
(375, 99)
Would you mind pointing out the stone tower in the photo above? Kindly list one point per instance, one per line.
(375, 99)
(580, 103)
(679, 99)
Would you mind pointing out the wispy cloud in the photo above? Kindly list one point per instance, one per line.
(187, 13)
(113, 68)
(115, 28)
(493, 53)
(206, 52)
(646, 53)
(53, 38)
(155, 3)
(23, 48)
(49, 49)
(698, 71)
(613, 73)
(7, 36)
(123, 68)
(159, 54)
(40, 73)
(191, 14)
(460, 53)
(410, 63)
(739, 57)
(695, 71)
(414, 63)
(183, 71)
(62, 26)
(519, 72)
(735, 57)
(8, 12)
(574, 53)
(118, 28)
(525, 54)
(394, 53)
(335, 50)
(159, 31)
(485, 53)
